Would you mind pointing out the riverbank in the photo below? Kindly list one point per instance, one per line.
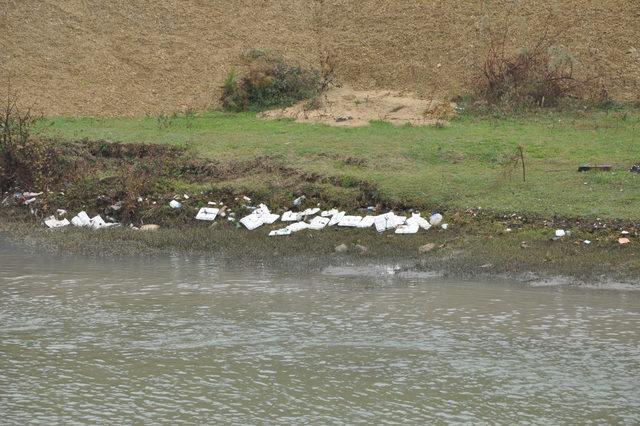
(527, 254)
(499, 223)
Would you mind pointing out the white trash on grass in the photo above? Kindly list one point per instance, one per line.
(52, 222)
(290, 216)
(417, 219)
(336, 218)
(280, 232)
(350, 221)
(175, 204)
(318, 223)
(207, 213)
(367, 222)
(410, 228)
(82, 219)
(436, 219)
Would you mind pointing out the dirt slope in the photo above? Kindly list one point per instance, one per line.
(93, 57)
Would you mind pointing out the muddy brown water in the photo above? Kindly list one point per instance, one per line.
(179, 339)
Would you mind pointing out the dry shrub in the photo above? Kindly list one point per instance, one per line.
(25, 161)
(538, 76)
(270, 81)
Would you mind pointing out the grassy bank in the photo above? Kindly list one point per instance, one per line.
(468, 164)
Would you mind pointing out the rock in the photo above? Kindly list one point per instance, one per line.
(427, 248)
(342, 248)
(150, 227)
(623, 241)
(361, 248)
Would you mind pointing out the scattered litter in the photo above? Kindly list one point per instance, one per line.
(367, 222)
(410, 228)
(560, 233)
(298, 201)
(298, 226)
(280, 232)
(444, 226)
(350, 221)
(436, 219)
(211, 203)
(635, 168)
(624, 233)
(52, 222)
(329, 213)
(310, 212)
(82, 219)
(61, 212)
(599, 167)
(140, 199)
(623, 241)
(318, 223)
(417, 219)
(185, 196)
(150, 227)
(175, 204)
(336, 218)
(247, 199)
(587, 242)
(290, 216)
(252, 221)
(32, 194)
(207, 213)
(384, 222)
(29, 201)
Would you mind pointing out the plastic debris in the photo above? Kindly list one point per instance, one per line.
(82, 219)
(247, 199)
(336, 218)
(310, 212)
(384, 222)
(298, 201)
(175, 204)
(52, 222)
(635, 168)
(329, 213)
(623, 241)
(367, 222)
(436, 219)
(280, 232)
(290, 216)
(32, 194)
(444, 226)
(560, 233)
(207, 213)
(318, 223)
(61, 212)
(29, 201)
(252, 221)
(410, 228)
(419, 220)
(587, 242)
(350, 221)
(185, 196)
(298, 226)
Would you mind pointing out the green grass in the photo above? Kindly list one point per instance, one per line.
(461, 166)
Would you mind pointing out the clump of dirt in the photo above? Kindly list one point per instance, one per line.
(353, 108)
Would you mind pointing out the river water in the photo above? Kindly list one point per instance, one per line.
(181, 339)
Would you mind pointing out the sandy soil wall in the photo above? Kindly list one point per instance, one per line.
(133, 57)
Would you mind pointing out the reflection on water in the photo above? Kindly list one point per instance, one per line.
(182, 339)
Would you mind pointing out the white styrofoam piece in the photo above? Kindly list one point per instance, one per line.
(291, 216)
(336, 218)
(329, 213)
(175, 204)
(412, 228)
(385, 221)
(280, 232)
(318, 223)
(350, 221)
(269, 218)
(97, 222)
(81, 219)
(419, 220)
(207, 213)
(52, 222)
(298, 226)
(398, 220)
(367, 222)
(252, 221)
(310, 212)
